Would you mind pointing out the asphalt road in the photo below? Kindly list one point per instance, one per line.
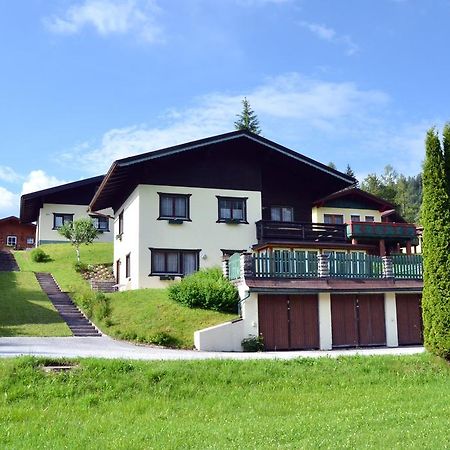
(105, 347)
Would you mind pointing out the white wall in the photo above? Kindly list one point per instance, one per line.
(226, 337)
(318, 213)
(202, 233)
(46, 233)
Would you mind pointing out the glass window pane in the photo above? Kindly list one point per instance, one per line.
(189, 263)
(370, 219)
(238, 209)
(180, 207)
(355, 218)
(224, 209)
(58, 221)
(338, 219)
(172, 262)
(166, 206)
(158, 262)
(288, 215)
(327, 218)
(275, 214)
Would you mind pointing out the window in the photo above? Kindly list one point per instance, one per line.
(11, 241)
(101, 223)
(355, 218)
(232, 209)
(60, 219)
(334, 219)
(370, 219)
(121, 223)
(30, 241)
(282, 214)
(174, 206)
(174, 262)
(127, 266)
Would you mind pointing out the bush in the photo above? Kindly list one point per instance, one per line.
(206, 289)
(164, 339)
(95, 305)
(253, 344)
(80, 267)
(38, 255)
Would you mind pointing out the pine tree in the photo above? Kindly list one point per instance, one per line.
(349, 171)
(247, 119)
(436, 245)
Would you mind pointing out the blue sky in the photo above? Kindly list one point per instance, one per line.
(85, 82)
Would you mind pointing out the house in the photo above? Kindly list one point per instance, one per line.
(14, 234)
(315, 259)
(51, 208)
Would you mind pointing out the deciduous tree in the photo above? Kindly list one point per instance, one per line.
(81, 231)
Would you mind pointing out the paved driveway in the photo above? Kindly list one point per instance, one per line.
(105, 347)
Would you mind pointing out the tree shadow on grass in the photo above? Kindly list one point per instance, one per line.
(22, 303)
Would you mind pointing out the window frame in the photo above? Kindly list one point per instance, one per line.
(98, 216)
(63, 215)
(369, 221)
(128, 265)
(281, 208)
(179, 253)
(8, 244)
(120, 219)
(186, 197)
(355, 215)
(333, 222)
(30, 239)
(231, 219)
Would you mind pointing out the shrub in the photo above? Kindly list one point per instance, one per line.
(206, 289)
(164, 339)
(96, 305)
(253, 344)
(80, 267)
(38, 255)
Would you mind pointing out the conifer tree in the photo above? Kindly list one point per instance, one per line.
(349, 171)
(247, 119)
(436, 247)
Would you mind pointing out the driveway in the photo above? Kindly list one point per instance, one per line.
(105, 347)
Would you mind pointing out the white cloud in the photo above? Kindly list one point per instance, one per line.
(38, 180)
(289, 104)
(8, 201)
(137, 17)
(8, 174)
(330, 35)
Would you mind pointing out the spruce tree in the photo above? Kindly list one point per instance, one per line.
(247, 119)
(436, 248)
(349, 171)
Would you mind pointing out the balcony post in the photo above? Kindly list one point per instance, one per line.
(323, 265)
(388, 267)
(246, 265)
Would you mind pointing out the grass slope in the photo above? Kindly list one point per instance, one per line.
(136, 315)
(25, 310)
(358, 402)
(140, 315)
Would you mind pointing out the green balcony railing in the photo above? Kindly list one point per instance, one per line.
(407, 266)
(285, 264)
(355, 265)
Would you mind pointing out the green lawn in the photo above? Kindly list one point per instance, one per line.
(25, 310)
(63, 260)
(356, 402)
(140, 315)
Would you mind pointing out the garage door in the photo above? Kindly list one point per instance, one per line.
(358, 320)
(409, 319)
(289, 322)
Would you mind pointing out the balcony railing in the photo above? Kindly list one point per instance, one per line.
(300, 231)
(381, 230)
(301, 264)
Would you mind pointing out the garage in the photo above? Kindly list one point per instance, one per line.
(289, 322)
(358, 320)
(409, 319)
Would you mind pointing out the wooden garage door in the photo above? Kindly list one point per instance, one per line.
(358, 320)
(289, 322)
(409, 319)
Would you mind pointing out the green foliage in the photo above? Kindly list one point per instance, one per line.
(164, 339)
(331, 165)
(436, 247)
(38, 255)
(253, 344)
(206, 289)
(80, 267)
(78, 232)
(349, 171)
(95, 305)
(247, 119)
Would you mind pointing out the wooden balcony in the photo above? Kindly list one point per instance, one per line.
(381, 230)
(270, 231)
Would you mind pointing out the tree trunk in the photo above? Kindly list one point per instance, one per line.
(78, 253)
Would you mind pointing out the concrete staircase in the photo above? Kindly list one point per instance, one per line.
(8, 262)
(75, 319)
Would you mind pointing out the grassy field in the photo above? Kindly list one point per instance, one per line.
(144, 315)
(25, 310)
(358, 402)
(63, 259)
